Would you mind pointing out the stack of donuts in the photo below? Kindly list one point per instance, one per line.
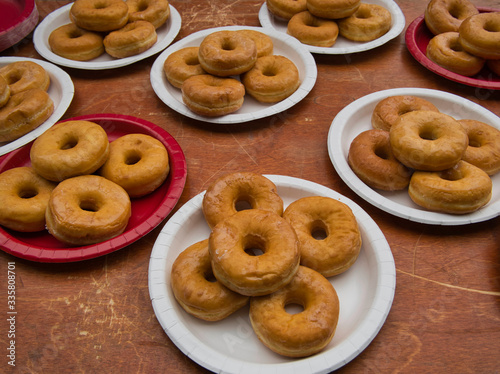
(445, 163)
(80, 185)
(261, 254)
(464, 39)
(116, 27)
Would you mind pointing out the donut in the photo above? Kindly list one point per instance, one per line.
(446, 51)
(182, 64)
(24, 196)
(24, 112)
(286, 9)
(372, 160)
(154, 11)
(224, 53)
(333, 9)
(4, 91)
(480, 35)
(388, 110)
(367, 23)
(25, 75)
(197, 291)
(263, 42)
(74, 43)
(234, 245)
(136, 162)
(494, 66)
(311, 30)
(483, 150)
(300, 334)
(87, 209)
(212, 96)
(99, 15)
(447, 15)
(69, 149)
(238, 191)
(272, 79)
(461, 189)
(328, 234)
(132, 39)
(426, 140)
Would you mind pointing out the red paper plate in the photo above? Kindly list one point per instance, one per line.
(418, 36)
(17, 19)
(147, 212)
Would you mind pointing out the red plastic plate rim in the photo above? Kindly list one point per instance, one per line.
(25, 23)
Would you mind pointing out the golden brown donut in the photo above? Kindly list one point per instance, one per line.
(197, 291)
(312, 30)
(134, 38)
(72, 42)
(69, 149)
(371, 159)
(87, 209)
(263, 42)
(367, 23)
(154, 11)
(332, 9)
(480, 35)
(182, 64)
(461, 189)
(25, 75)
(426, 140)
(272, 79)
(136, 162)
(286, 9)
(237, 191)
(234, 245)
(328, 234)
(494, 66)
(24, 196)
(24, 112)
(447, 15)
(301, 334)
(99, 15)
(4, 91)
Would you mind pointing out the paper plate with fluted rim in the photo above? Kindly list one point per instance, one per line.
(17, 20)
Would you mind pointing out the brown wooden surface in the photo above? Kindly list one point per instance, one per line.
(96, 316)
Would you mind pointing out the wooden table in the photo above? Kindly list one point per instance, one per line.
(96, 316)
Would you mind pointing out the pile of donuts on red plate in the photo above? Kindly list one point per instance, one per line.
(259, 253)
(445, 163)
(116, 27)
(320, 22)
(465, 39)
(79, 185)
(207, 74)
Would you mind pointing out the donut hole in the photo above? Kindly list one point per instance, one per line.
(69, 143)
(228, 45)
(427, 133)
(142, 6)
(319, 230)
(456, 11)
(363, 13)
(89, 204)
(451, 175)
(382, 152)
(132, 157)
(294, 307)
(254, 245)
(192, 61)
(209, 276)
(100, 5)
(491, 26)
(244, 202)
(270, 71)
(75, 34)
(474, 142)
(27, 192)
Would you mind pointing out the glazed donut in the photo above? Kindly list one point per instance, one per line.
(300, 334)
(212, 96)
(311, 30)
(459, 190)
(72, 42)
(286, 9)
(447, 15)
(237, 191)
(235, 242)
(25, 75)
(332, 9)
(328, 234)
(69, 149)
(87, 209)
(4, 91)
(195, 290)
(224, 53)
(494, 66)
(24, 196)
(426, 140)
(136, 162)
(480, 35)
(24, 112)
(132, 39)
(388, 110)
(272, 79)
(367, 23)
(263, 42)
(99, 15)
(182, 64)
(484, 145)
(154, 11)
(371, 159)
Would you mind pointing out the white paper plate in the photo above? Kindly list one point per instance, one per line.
(284, 45)
(366, 292)
(343, 46)
(59, 17)
(356, 118)
(61, 91)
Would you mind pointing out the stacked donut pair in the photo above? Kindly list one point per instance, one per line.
(465, 39)
(116, 27)
(207, 75)
(79, 185)
(445, 163)
(270, 257)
